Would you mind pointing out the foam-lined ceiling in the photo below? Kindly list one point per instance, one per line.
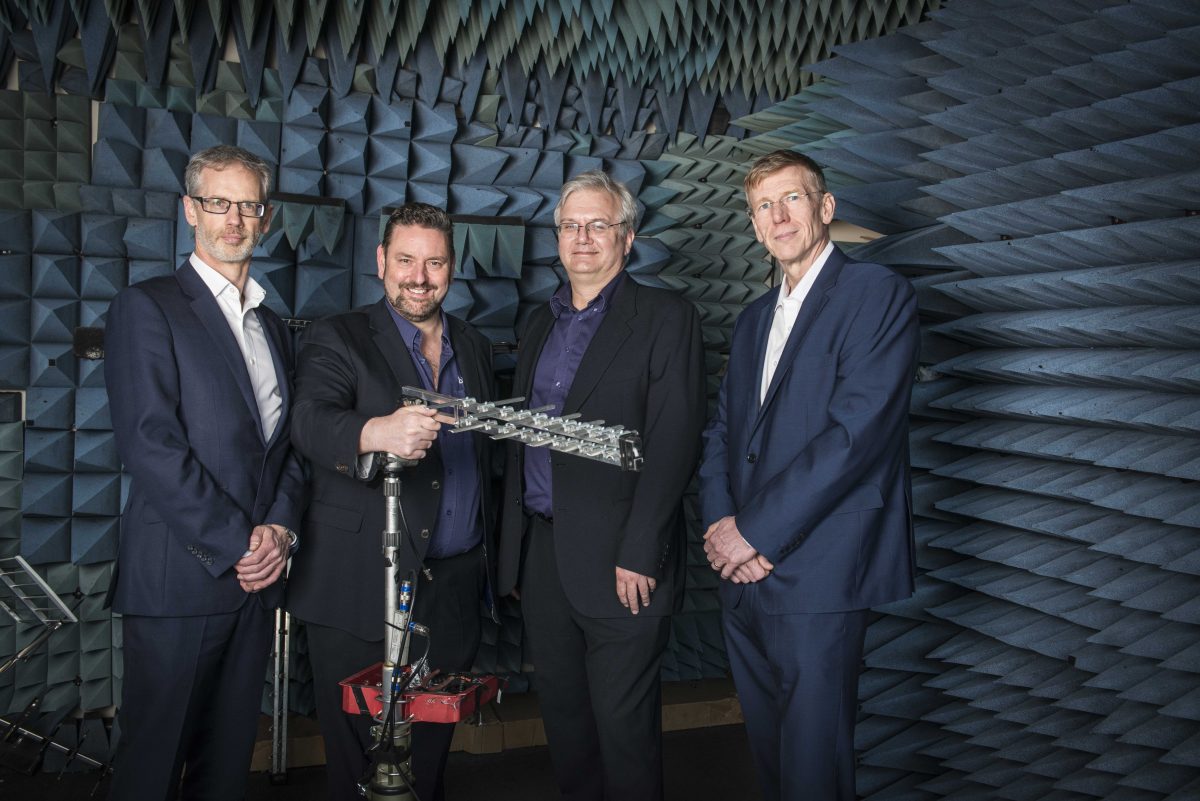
(629, 43)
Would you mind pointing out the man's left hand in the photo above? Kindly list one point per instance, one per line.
(725, 547)
(756, 569)
(268, 554)
(632, 587)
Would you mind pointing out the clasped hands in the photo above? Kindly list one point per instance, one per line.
(266, 554)
(730, 554)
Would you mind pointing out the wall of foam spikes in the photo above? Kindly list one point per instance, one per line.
(1035, 167)
(483, 108)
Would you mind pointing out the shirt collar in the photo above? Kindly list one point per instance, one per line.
(219, 284)
(800, 290)
(560, 301)
(411, 334)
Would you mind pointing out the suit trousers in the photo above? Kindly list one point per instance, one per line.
(797, 680)
(449, 607)
(597, 681)
(192, 695)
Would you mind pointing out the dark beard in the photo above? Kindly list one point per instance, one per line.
(408, 312)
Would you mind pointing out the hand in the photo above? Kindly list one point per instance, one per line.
(725, 547)
(756, 569)
(267, 554)
(632, 586)
(407, 432)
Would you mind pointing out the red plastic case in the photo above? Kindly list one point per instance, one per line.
(362, 694)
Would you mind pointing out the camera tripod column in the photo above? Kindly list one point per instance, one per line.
(392, 776)
(397, 609)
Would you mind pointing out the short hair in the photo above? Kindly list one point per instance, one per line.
(778, 160)
(220, 157)
(602, 181)
(422, 215)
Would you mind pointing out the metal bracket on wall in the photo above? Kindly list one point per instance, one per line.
(30, 601)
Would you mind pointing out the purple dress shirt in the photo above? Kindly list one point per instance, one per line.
(460, 526)
(565, 345)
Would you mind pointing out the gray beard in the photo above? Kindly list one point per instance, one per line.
(221, 252)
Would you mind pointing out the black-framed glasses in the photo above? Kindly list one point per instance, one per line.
(219, 205)
(790, 201)
(594, 228)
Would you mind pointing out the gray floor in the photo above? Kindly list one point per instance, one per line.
(702, 763)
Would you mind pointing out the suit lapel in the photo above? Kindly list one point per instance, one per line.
(760, 329)
(818, 296)
(275, 343)
(605, 345)
(205, 307)
(391, 345)
(531, 345)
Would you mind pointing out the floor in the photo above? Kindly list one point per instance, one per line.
(709, 762)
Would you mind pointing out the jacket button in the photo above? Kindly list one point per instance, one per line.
(341, 468)
(751, 457)
(424, 533)
(436, 485)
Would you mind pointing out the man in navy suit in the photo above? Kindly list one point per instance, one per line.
(198, 377)
(804, 483)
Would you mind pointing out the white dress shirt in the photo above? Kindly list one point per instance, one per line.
(787, 309)
(251, 339)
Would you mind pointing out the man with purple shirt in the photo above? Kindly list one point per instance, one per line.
(595, 553)
(350, 373)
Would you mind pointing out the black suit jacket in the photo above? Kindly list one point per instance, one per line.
(351, 367)
(188, 430)
(644, 369)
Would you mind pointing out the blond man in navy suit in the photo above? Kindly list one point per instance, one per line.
(804, 484)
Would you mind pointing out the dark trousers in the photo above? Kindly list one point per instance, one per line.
(191, 697)
(797, 680)
(597, 681)
(449, 607)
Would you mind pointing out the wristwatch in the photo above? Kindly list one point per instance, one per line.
(293, 540)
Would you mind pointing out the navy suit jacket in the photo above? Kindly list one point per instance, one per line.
(817, 475)
(188, 431)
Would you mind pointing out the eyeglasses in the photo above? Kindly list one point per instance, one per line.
(594, 228)
(790, 201)
(219, 205)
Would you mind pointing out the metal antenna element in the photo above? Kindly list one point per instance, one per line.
(614, 445)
